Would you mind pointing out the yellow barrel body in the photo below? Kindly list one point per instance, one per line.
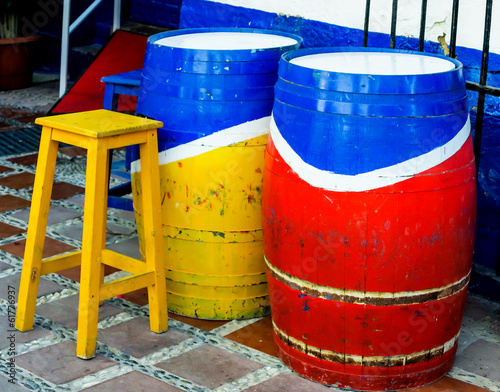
(213, 89)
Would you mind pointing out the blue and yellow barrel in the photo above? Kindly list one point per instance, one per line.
(213, 89)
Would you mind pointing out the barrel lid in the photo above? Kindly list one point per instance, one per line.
(224, 44)
(375, 63)
(226, 40)
(372, 70)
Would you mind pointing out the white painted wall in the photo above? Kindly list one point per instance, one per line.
(350, 13)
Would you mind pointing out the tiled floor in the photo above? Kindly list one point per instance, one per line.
(194, 355)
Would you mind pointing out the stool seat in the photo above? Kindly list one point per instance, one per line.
(99, 131)
(98, 123)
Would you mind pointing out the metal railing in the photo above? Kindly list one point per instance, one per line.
(68, 28)
(482, 88)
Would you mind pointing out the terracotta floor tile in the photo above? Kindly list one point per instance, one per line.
(206, 325)
(128, 247)
(4, 266)
(26, 160)
(127, 215)
(139, 297)
(210, 366)
(482, 358)
(56, 214)
(134, 337)
(9, 202)
(65, 311)
(63, 190)
(73, 151)
(45, 286)
(29, 119)
(71, 273)
(12, 112)
(258, 335)
(59, 364)
(448, 384)
(8, 230)
(4, 169)
(18, 181)
(288, 382)
(6, 330)
(76, 229)
(51, 248)
(79, 200)
(5, 385)
(5, 127)
(133, 382)
(478, 308)
(74, 273)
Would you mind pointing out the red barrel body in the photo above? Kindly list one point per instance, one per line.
(369, 217)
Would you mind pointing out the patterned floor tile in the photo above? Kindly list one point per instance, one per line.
(75, 231)
(210, 366)
(288, 382)
(139, 297)
(127, 215)
(206, 325)
(8, 230)
(63, 190)
(25, 160)
(59, 364)
(18, 337)
(448, 384)
(79, 200)
(65, 311)
(6, 386)
(5, 169)
(481, 358)
(4, 127)
(4, 266)
(258, 335)
(56, 214)
(135, 338)
(9, 203)
(51, 248)
(45, 286)
(128, 247)
(133, 382)
(18, 181)
(73, 151)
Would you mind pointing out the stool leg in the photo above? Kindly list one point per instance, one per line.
(158, 314)
(93, 240)
(37, 226)
(110, 98)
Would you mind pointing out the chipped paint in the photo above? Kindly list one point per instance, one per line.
(368, 297)
(365, 361)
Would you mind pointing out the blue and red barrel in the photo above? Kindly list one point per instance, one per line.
(369, 207)
(213, 89)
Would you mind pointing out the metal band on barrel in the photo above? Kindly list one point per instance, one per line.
(367, 297)
(359, 360)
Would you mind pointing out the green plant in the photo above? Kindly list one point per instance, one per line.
(9, 16)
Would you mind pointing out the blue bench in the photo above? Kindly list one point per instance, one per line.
(126, 83)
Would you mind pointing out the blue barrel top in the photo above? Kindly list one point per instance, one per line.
(200, 81)
(371, 108)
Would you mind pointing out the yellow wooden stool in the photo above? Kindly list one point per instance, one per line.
(97, 131)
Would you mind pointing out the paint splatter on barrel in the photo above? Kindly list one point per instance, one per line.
(213, 90)
(369, 215)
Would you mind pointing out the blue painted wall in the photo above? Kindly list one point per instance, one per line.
(202, 13)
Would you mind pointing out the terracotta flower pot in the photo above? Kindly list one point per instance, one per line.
(16, 62)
